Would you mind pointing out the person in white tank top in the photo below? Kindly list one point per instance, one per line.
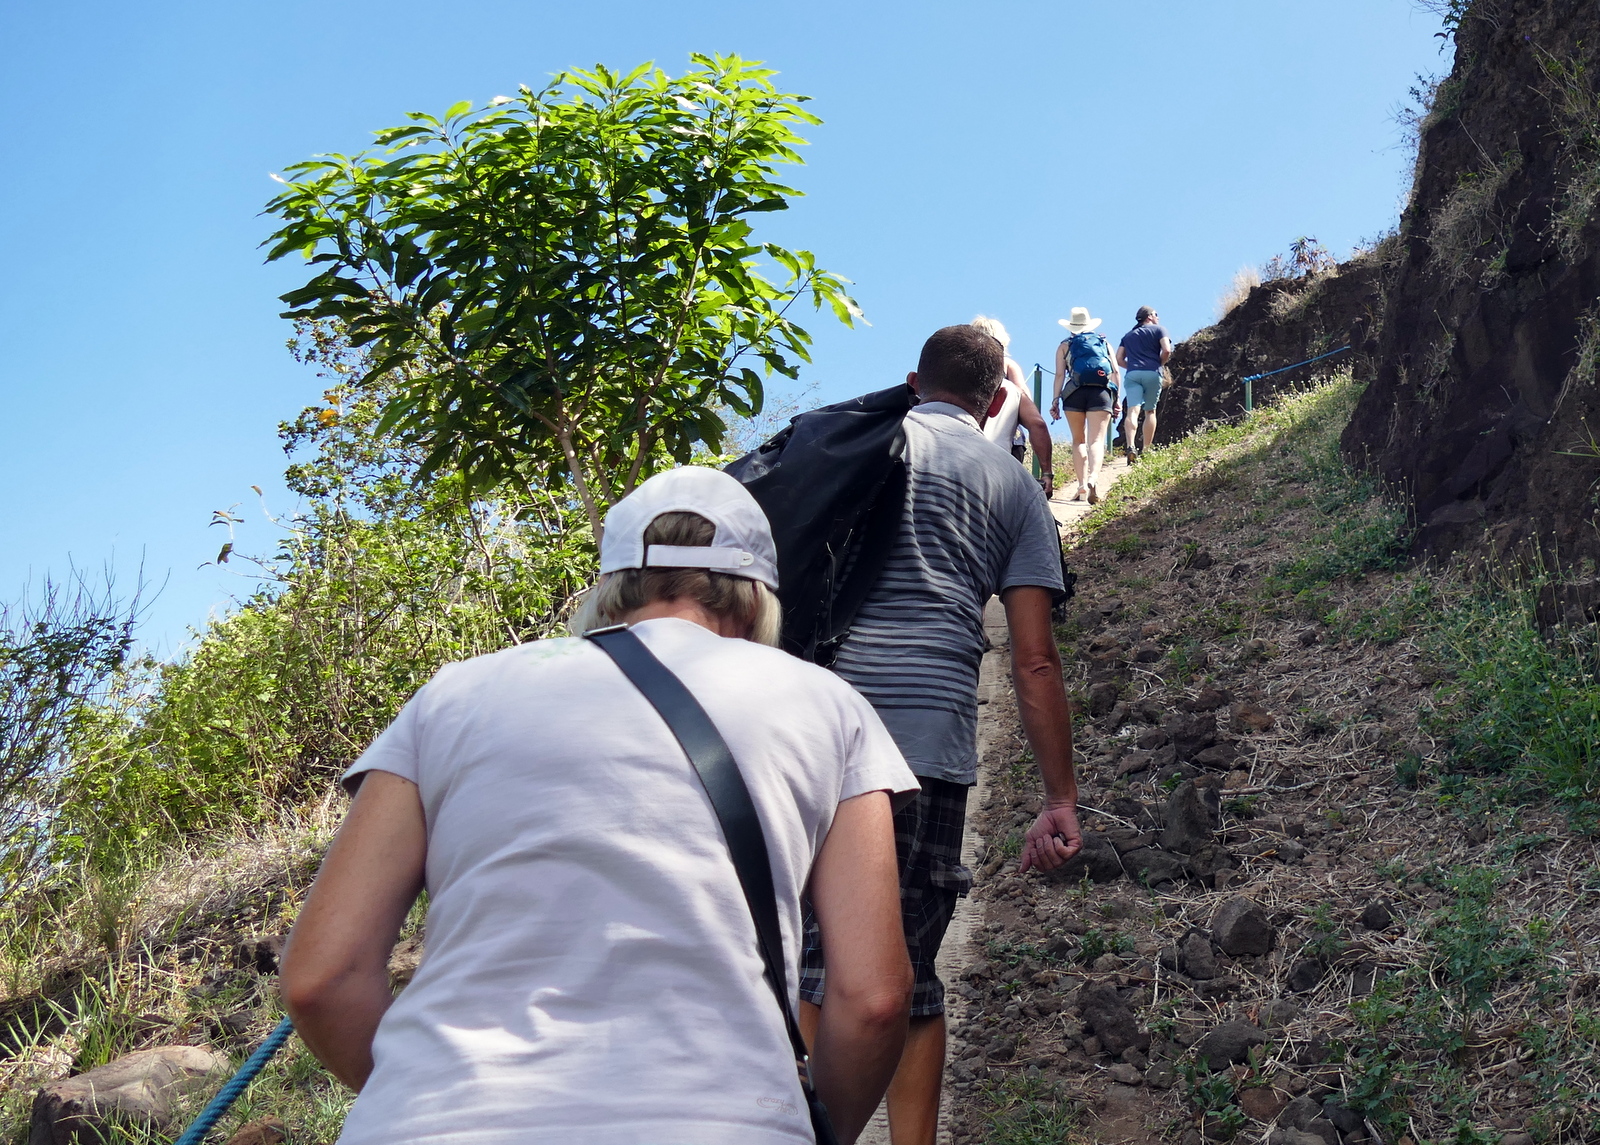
(1014, 421)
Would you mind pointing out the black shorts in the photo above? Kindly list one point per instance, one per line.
(1089, 399)
(927, 840)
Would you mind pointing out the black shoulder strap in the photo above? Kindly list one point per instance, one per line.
(741, 827)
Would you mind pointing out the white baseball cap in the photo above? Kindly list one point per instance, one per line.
(742, 545)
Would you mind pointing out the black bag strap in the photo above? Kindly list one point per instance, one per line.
(735, 810)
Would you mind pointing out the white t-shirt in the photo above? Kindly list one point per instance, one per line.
(1001, 426)
(591, 975)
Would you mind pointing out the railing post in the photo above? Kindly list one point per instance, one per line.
(1038, 402)
(1249, 395)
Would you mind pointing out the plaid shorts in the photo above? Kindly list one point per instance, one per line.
(927, 839)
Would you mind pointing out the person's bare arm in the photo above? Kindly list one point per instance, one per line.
(1061, 378)
(1166, 350)
(1122, 357)
(335, 979)
(1032, 421)
(1047, 721)
(855, 891)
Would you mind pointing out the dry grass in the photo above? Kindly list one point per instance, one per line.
(1245, 279)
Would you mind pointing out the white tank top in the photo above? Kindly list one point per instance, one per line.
(1001, 427)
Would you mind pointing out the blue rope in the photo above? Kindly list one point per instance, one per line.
(1297, 365)
(211, 1114)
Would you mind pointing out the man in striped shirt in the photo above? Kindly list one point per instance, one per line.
(975, 525)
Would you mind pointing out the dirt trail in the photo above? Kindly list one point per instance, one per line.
(997, 722)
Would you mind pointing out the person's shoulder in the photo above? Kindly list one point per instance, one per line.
(555, 650)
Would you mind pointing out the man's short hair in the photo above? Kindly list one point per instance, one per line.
(1145, 314)
(964, 362)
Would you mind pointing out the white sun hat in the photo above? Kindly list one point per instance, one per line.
(742, 545)
(1080, 322)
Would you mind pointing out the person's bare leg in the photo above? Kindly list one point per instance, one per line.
(914, 1092)
(1097, 422)
(1149, 428)
(1130, 428)
(1075, 422)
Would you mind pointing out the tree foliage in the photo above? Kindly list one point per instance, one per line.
(569, 276)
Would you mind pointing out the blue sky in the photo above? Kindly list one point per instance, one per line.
(1015, 158)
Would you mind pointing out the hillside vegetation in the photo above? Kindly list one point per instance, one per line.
(1403, 777)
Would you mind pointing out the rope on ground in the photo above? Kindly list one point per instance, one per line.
(211, 1114)
(1297, 365)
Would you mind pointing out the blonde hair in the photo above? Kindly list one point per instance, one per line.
(994, 328)
(734, 598)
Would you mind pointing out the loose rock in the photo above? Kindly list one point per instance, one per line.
(1229, 1043)
(1261, 1102)
(1125, 1074)
(267, 1131)
(1208, 699)
(1379, 915)
(1102, 698)
(1305, 975)
(1251, 718)
(1111, 1020)
(1195, 957)
(1194, 813)
(1240, 927)
(144, 1088)
(1098, 860)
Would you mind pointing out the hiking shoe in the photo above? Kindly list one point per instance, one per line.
(1133, 457)
(1078, 496)
(1094, 495)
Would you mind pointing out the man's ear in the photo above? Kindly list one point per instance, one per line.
(911, 380)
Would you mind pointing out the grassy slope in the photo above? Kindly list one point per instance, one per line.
(1427, 749)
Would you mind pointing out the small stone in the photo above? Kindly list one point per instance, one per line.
(1321, 1129)
(267, 1131)
(1294, 1137)
(146, 1087)
(1111, 1020)
(1151, 739)
(260, 954)
(404, 961)
(1235, 779)
(1148, 652)
(1240, 927)
(1305, 975)
(1227, 877)
(1208, 699)
(1152, 866)
(1517, 1139)
(1134, 1057)
(1195, 957)
(1379, 915)
(1091, 1046)
(1345, 1120)
(1299, 1111)
(1194, 814)
(1363, 978)
(1133, 763)
(1125, 1074)
(1106, 964)
(1261, 1102)
(1245, 717)
(1102, 698)
(1217, 757)
(1117, 716)
(1190, 734)
(1291, 851)
(1160, 1076)
(1229, 1043)
(1279, 1013)
(1098, 859)
(1201, 560)
(1478, 834)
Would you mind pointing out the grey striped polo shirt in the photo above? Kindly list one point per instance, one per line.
(976, 523)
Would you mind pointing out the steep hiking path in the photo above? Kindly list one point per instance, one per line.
(1279, 930)
(999, 733)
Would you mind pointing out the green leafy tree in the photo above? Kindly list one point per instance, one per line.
(569, 276)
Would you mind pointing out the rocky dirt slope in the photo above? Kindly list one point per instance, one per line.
(1270, 936)
(1489, 337)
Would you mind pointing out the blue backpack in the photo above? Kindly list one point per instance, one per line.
(1089, 356)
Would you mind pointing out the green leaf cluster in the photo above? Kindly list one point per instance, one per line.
(569, 276)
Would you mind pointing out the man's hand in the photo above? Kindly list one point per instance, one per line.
(1053, 839)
